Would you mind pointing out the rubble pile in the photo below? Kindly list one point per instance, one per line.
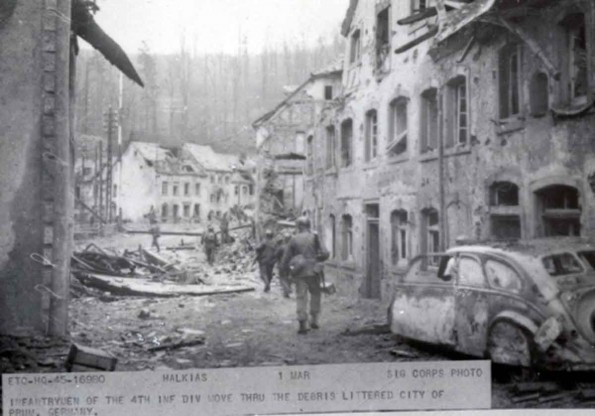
(172, 272)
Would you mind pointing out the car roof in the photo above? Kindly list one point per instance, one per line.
(528, 248)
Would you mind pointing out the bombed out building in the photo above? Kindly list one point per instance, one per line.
(459, 118)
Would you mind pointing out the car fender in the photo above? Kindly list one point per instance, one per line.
(517, 318)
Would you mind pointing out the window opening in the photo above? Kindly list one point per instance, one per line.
(355, 46)
(398, 127)
(429, 117)
(509, 82)
(399, 222)
(346, 143)
(347, 237)
(330, 147)
(371, 150)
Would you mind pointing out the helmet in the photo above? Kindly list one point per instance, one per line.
(303, 222)
(268, 233)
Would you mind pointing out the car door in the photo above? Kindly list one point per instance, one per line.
(471, 306)
(423, 305)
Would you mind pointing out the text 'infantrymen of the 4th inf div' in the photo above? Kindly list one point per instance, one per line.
(345, 387)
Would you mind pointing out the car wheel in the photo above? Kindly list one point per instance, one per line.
(509, 344)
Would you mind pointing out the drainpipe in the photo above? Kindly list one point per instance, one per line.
(442, 209)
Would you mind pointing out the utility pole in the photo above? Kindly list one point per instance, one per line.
(111, 125)
(100, 177)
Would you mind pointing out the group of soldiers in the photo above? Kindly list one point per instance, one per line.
(299, 260)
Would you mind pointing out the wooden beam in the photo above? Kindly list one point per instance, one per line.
(432, 31)
(91, 210)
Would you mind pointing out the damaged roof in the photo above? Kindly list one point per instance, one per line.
(335, 68)
(457, 19)
(83, 25)
(168, 161)
(211, 160)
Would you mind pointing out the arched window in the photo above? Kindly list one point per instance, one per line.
(504, 194)
(559, 211)
(505, 212)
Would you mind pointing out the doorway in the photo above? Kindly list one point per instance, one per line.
(372, 285)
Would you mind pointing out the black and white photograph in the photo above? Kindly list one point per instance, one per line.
(296, 206)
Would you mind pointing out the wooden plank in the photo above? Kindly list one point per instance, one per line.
(142, 287)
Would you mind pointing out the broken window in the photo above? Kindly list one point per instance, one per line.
(399, 227)
(382, 38)
(328, 92)
(539, 95)
(245, 190)
(176, 212)
(456, 112)
(504, 194)
(562, 264)
(502, 276)
(332, 231)
(560, 211)
(577, 59)
(346, 143)
(355, 47)
(175, 190)
(330, 147)
(505, 223)
(164, 211)
(299, 143)
(186, 210)
(398, 127)
(429, 120)
(212, 178)
(197, 189)
(237, 190)
(197, 210)
(164, 186)
(310, 155)
(470, 272)
(430, 234)
(347, 237)
(509, 69)
(371, 150)
(186, 189)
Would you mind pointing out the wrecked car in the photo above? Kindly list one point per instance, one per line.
(529, 304)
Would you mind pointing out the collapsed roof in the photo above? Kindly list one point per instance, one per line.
(83, 25)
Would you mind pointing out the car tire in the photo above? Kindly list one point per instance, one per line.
(509, 344)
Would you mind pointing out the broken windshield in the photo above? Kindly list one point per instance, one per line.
(588, 257)
(562, 264)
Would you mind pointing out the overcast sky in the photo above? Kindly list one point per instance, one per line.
(215, 25)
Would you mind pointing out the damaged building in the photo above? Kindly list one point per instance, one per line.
(38, 46)
(284, 139)
(186, 184)
(458, 118)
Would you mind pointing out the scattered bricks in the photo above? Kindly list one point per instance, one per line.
(81, 358)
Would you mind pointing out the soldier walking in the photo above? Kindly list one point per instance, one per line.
(302, 259)
(210, 243)
(266, 258)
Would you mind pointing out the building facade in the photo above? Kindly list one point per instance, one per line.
(284, 139)
(468, 119)
(187, 184)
